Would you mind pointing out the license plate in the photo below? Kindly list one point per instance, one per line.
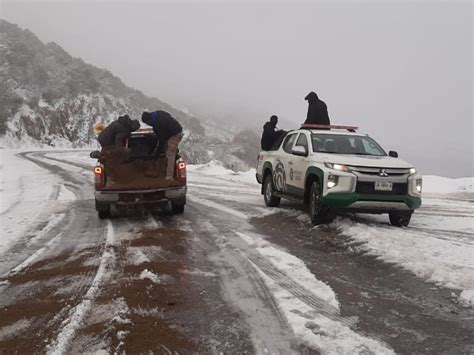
(383, 186)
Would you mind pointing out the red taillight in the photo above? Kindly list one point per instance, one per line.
(99, 177)
(181, 171)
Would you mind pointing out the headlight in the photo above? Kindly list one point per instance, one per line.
(419, 185)
(412, 171)
(332, 181)
(339, 167)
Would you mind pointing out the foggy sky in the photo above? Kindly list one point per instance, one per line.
(402, 71)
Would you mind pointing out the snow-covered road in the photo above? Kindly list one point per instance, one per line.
(227, 276)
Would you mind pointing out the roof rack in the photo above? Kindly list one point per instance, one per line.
(322, 126)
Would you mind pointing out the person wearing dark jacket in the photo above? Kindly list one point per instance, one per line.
(114, 136)
(270, 134)
(169, 133)
(317, 110)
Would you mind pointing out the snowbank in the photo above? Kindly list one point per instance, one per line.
(441, 185)
(442, 253)
(215, 168)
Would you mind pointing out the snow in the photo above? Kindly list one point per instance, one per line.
(25, 191)
(319, 327)
(329, 336)
(438, 246)
(467, 298)
(293, 266)
(135, 256)
(147, 274)
(12, 330)
(216, 168)
(442, 185)
(76, 317)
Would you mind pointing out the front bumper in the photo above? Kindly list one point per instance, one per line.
(136, 197)
(371, 203)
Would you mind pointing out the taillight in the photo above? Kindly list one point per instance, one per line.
(99, 177)
(181, 171)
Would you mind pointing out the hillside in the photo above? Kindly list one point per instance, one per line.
(50, 98)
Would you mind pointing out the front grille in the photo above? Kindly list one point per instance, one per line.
(365, 187)
(376, 171)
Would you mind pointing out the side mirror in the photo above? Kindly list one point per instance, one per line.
(300, 151)
(95, 154)
(393, 154)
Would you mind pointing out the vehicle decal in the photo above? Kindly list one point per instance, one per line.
(279, 178)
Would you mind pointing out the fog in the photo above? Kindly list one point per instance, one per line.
(402, 71)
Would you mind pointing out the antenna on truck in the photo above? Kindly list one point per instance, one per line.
(323, 126)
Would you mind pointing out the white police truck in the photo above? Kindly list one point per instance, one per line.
(333, 169)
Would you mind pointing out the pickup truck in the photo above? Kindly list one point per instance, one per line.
(135, 178)
(338, 170)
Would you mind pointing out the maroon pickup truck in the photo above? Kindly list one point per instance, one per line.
(134, 178)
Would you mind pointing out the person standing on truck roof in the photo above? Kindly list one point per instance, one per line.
(270, 134)
(317, 110)
(169, 133)
(115, 135)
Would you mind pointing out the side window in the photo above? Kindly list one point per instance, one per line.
(302, 141)
(288, 143)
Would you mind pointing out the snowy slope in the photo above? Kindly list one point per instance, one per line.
(50, 98)
(441, 185)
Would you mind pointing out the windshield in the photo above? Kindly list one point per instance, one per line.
(346, 144)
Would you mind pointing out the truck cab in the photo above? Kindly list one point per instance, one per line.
(334, 169)
(134, 177)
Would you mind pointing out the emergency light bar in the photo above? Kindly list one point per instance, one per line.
(322, 126)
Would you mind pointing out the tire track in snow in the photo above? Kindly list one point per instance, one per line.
(50, 225)
(76, 317)
(259, 263)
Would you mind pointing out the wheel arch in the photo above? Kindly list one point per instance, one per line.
(313, 173)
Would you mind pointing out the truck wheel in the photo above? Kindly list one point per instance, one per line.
(268, 192)
(103, 210)
(316, 211)
(103, 214)
(177, 208)
(400, 219)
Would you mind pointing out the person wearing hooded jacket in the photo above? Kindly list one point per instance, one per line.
(114, 136)
(317, 110)
(270, 134)
(169, 133)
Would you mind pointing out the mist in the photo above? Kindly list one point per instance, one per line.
(402, 71)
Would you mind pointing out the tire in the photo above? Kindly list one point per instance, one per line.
(400, 219)
(316, 210)
(104, 214)
(177, 208)
(269, 192)
(103, 210)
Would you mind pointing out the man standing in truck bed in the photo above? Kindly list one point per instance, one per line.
(169, 133)
(115, 135)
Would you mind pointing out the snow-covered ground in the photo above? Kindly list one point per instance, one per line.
(24, 190)
(438, 246)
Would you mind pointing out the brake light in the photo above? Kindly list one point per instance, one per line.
(181, 171)
(99, 177)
